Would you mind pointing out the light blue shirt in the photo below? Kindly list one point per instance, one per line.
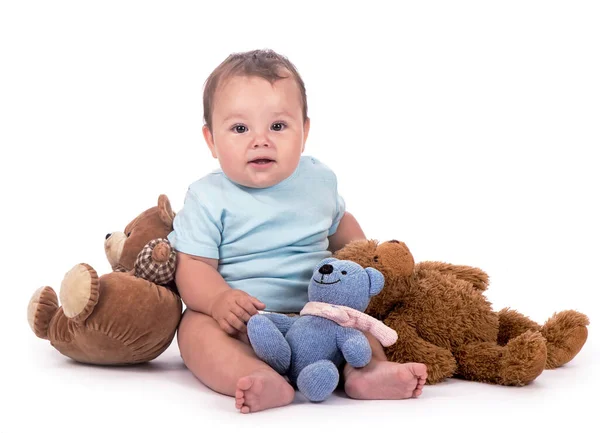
(267, 240)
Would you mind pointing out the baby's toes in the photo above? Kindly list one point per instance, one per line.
(239, 402)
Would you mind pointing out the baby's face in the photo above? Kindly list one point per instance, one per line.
(258, 133)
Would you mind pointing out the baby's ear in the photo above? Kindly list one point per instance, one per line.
(376, 281)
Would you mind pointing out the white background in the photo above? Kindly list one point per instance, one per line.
(469, 130)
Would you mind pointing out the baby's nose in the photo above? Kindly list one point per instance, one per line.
(326, 269)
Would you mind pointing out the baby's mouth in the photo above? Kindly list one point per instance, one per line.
(262, 161)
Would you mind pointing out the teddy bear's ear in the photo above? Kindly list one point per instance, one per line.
(165, 212)
(376, 281)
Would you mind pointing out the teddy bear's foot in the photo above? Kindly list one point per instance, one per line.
(318, 380)
(523, 359)
(79, 292)
(512, 324)
(518, 363)
(566, 333)
(269, 344)
(41, 309)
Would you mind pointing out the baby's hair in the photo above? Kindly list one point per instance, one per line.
(265, 64)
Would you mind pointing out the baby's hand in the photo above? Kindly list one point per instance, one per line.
(233, 308)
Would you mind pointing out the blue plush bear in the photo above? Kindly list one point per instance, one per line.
(310, 348)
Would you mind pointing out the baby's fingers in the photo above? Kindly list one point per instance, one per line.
(236, 323)
(248, 305)
(257, 303)
(225, 326)
(241, 313)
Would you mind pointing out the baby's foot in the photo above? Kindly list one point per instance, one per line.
(262, 390)
(384, 380)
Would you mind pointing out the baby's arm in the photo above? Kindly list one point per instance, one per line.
(348, 230)
(203, 289)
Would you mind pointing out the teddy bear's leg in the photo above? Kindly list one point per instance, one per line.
(268, 343)
(79, 292)
(512, 324)
(42, 307)
(411, 347)
(566, 333)
(475, 276)
(517, 363)
(354, 346)
(318, 380)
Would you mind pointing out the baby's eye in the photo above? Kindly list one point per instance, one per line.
(278, 126)
(239, 129)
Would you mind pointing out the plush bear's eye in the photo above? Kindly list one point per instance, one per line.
(344, 272)
(376, 259)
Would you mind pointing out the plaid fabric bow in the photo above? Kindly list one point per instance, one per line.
(158, 272)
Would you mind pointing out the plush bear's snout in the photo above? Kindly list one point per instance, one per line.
(326, 269)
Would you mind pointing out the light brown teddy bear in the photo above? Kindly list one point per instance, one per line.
(444, 321)
(128, 316)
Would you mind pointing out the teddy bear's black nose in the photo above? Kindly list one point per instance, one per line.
(108, 236)
(326, 269)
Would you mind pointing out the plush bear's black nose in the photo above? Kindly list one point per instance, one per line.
(326, 269)
(108, 236)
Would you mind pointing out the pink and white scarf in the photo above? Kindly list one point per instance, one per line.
(351, 318)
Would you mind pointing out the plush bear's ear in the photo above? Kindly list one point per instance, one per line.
(165, 212)
(376, 281)
(324, 262)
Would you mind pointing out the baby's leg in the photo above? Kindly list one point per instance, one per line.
(384, 380)
(229, 366)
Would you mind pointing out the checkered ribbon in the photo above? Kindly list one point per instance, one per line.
(157, 272)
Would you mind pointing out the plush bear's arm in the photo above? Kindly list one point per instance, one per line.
(475, 276)
(156, 262)
(282, 321)
(354, 346)
(410, 347)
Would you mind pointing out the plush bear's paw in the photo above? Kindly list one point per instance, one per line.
(41, 309)
(79, 292)
(269, 344)
(566, 333)
(156, 262)
(523, 359)
(318, 380)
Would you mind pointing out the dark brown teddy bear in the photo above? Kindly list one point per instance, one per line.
(127, 316)
(444, 321)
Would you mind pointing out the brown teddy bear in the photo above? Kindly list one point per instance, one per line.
(128, 316)
(444, 321)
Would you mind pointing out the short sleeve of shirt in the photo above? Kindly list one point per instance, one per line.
(197, 228)
(340, 209)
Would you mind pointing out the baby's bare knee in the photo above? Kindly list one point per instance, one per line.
(195, 331)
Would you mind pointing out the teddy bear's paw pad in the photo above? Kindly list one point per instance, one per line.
(524, 359)
(42, 307)
(317, 381)
(156, 262)
(566, 333)
(79, 292)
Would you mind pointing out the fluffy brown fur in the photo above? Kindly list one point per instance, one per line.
(116, 318)
(444, 320)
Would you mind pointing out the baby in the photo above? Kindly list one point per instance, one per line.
(249, 235)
